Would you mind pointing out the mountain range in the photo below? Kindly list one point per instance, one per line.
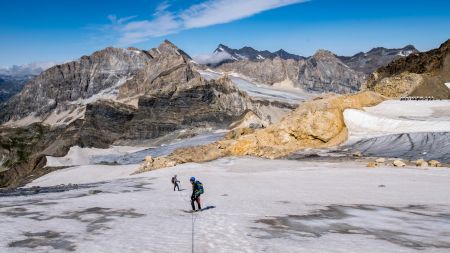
(322, 72)
(122, 96)
(365, 62)
(11, 85)
(12, 79)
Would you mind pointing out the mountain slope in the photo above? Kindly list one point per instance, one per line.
(64, 87)
(420, 74)
(118, 96)
(11, 85)
(323, 72)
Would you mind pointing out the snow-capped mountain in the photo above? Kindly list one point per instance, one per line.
(368, 62)
(249, 53)
(322, 72)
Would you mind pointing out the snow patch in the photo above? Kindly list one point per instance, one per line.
(108, 93)
(405, 53)
(85, 156)
(362, 125)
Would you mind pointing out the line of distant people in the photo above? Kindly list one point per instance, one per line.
(427, 98)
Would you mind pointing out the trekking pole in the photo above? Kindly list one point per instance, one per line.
(193, 232)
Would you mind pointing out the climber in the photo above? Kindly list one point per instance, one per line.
(175, 183)
(197, 190)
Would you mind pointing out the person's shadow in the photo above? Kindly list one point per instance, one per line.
(208, 207)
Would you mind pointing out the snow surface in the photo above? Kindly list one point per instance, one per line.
(394, 117)
(437, 110)
(86, 156)
(127, 154)
(448, 85)
(254, 89)
(259, 205)
(409, 146)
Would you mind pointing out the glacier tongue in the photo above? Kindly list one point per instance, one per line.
(262, 91)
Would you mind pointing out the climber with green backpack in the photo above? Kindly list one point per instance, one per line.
(197, 190)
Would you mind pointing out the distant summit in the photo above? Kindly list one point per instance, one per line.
(249, 53)
(377, 57)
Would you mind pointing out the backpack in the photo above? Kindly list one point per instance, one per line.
(200, 187)
(173, 180)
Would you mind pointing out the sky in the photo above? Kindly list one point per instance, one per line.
(58, 31)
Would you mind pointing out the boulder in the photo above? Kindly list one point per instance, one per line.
(380, 160)
(399, 163)
(372, 164)
(434, 163)
(421, 163)
(357, 154)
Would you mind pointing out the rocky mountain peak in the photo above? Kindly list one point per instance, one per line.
(167, 49)
(323, 54)
(166, 44)
(222, 48)
(251, 54)
(368, 62)
(410, 47)
(281, 51)
(445, 45)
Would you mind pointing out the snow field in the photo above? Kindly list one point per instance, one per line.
(144, 213)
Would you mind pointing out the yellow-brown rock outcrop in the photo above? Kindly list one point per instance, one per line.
(314, 124)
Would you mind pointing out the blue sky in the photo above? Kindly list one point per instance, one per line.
(48, 30)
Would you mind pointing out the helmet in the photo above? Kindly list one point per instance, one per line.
(192, 179)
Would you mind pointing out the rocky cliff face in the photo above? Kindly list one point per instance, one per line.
(419, 74)
(323, 72)
(168, 69)
(65, 86)
(204, 104)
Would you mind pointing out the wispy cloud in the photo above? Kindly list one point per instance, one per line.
(212, 58)
(207, 13)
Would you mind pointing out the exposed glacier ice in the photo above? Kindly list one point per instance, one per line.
(261, 205)
(254, 89)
